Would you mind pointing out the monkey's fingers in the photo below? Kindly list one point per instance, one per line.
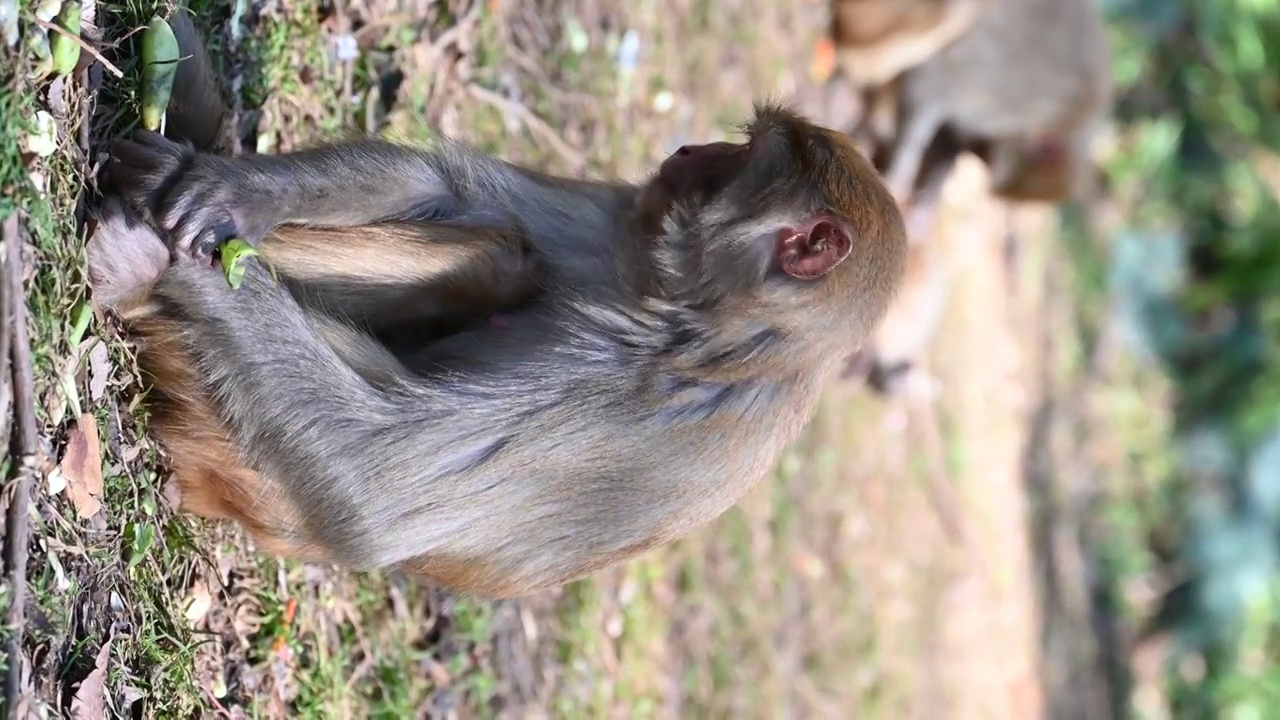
(197, 225)
(136, 163)
(142, 171)
(182, 191)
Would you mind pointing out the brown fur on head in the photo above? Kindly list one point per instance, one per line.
(793, 225)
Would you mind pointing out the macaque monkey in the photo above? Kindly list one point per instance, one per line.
(495, 378)
(1025, 87)
(890, 355)
(1022, 84)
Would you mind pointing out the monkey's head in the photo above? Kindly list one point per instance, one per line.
(792, 228)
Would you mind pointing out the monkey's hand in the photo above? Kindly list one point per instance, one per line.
(193, 197)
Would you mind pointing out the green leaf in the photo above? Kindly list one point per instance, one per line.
(139, 538)
(233, 253)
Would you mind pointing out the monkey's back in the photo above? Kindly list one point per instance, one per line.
(584, 469)
(1026, 67)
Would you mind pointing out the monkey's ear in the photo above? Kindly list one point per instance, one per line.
(810, 254)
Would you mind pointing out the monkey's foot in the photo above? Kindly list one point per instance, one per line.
(125, 255)
(189, 195)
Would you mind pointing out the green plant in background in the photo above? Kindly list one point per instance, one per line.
(1199, 170)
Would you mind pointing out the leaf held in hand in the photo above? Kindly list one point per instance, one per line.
(159, 65)
(233, 253)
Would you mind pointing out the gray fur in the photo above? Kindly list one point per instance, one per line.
(652, 382)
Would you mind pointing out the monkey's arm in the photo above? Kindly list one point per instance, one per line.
(914, 137)
(304, 414)
(196, 196)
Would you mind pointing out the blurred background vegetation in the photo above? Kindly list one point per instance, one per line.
(1195, 270)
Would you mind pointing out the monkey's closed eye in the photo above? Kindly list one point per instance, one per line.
(810, 254)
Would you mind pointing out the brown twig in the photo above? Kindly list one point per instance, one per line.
(28, 447)
(940, 490)
(84, 45)
(535, 124)
(458, 31)
(6, 377)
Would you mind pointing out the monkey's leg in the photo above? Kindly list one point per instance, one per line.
(913, 143)
(394, 278)
(213, 480)
(926, 197)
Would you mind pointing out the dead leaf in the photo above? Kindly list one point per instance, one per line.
(172, 495)
(90, 701)
(89, 13)
(99, 371)
(82, 467)
(197, 603)
(56, 96)
(130, 695)
(57, 482)
(66, 395)
(440, 674)
(60, 581)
